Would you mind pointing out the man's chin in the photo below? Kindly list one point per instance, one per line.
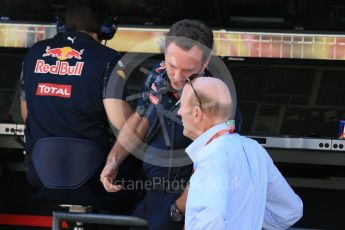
(177, 86)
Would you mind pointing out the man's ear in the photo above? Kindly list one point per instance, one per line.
(197, 114)
(205, 64)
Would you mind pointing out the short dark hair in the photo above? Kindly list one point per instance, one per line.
(87, 15)
(189, 32)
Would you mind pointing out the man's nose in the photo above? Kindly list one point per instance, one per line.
(179, 76)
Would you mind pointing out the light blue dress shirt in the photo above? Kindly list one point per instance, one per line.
(235, 185)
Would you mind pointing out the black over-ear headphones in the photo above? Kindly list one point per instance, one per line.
(106, 31)
(60, 25)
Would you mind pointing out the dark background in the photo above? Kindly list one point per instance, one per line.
(310, 15)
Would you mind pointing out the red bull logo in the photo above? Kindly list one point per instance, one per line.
(60, 67)
(63, 53)
(55, 52)
(55, 90)
(74, 54)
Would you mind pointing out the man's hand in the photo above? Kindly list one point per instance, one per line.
(108, 176)
(130, 136)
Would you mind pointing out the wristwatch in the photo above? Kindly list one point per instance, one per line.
(175, 214)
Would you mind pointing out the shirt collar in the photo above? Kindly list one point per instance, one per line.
(193, 149)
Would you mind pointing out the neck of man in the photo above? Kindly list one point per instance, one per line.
(207, 124)
(92, 34)
(95, 36)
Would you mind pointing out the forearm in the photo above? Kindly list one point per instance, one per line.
(131, 134)
(129, 139)
(23, 110)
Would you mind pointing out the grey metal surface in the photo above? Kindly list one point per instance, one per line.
(12, 129)
(324, 144)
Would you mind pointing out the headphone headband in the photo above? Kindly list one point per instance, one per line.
(106, 31)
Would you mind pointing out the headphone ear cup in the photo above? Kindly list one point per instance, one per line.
(107, 30)
(60, 25)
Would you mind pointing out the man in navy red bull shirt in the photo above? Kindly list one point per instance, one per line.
(70, 83)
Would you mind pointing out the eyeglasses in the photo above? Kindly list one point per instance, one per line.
(189, 80)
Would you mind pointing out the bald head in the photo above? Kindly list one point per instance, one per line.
(214, 95)
(209, 105)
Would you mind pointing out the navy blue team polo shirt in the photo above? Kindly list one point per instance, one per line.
(64, 83)
(163, 117)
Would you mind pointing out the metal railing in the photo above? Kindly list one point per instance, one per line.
(118, 220)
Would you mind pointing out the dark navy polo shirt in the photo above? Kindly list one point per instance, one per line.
(64, 80)
(169, 133)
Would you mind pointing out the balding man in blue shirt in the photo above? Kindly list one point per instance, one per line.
(235, 184)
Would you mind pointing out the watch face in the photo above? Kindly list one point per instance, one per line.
(175, 215)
